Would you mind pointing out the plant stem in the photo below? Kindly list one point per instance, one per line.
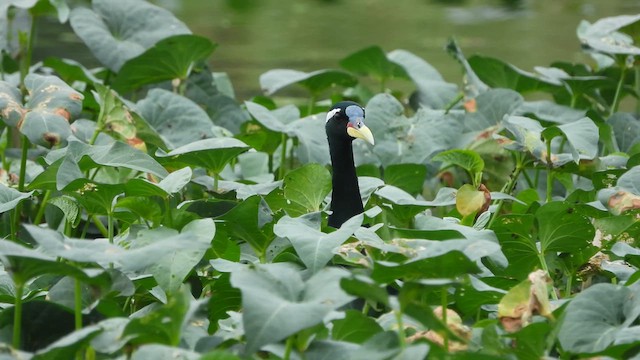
(40, 213)
(110, 226)
(100, 226)
(168, 219)
(25, 61)
(17, 315)
(401, 332)
(637, 81)
(23, 162)
(216, 179)
(508, 187)
(453, 103)
(21, 181)
(616, 98)
(567, 289)
(78, 303)
(283, 156)
(288, 347)
(444, 303)
(549, 172)
(365, 308)
(543, 264)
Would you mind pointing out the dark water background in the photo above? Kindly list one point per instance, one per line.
(254, 36)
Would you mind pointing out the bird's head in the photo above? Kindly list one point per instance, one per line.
(345, 121)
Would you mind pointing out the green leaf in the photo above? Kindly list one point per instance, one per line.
(314, 247)
(117, 154)
(162, 323)
(66, 347)
(163, 352)
(499, 74)
(25, 264)
(180, 54)
(599, 317)
(308, 186)
(469, 160)
(626, 129)
(374, 62)
(169, 256)
(211, 154)
(408, 177)
(563, 229)
(278, 303)
(602, 36)
(355, 327)
(275, 120)
(251, 221)
(433, 90)
(315, 82)
(177, 119)
(10, 197)
(45, 118)
(118, 30)
(492, 106)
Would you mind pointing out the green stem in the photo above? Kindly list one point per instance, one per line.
(25, 61)
(543, 264)
(567, 289)
(549, 172)
(616, 98)
(401, 332)
(508, 187)
(110, 226)
(288, 347)
(365, 308)
(637, 81)
(43, 204)
(453, 103)
(17, 315)
(21, 182)
(216, 179)
(23, 162)
(78, 303)
(103, 230)
(283, 156)
(168, 219)
(444, 302)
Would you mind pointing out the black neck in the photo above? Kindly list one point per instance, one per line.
(345, 201)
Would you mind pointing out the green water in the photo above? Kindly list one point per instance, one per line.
(254, 36)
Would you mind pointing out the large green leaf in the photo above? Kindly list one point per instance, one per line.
(118, 30)
(45, 118)
(315, 82)
(626, 129)
(277, 302)
(25, 264)
(601, 316)
(499, 74)
(491, 108)
(250, 221)
(9, 197)
(161, 323)
(603, 35)
(67, 346)
(308, 186)
(433, 90)
(355, 327)
(180, 54)
(167, 255)
(211, 154)
(563, 229)
(117, 154)
(163, 352)
(374, 62)
(314, 247)
(178, 120)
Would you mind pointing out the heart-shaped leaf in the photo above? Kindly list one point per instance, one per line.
(180, 55)
(118, 30)
(211, 154)
(315, 82)
(314, 247)
(308, 186)
(9, 197)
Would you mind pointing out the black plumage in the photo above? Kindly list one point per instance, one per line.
(345, 122)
